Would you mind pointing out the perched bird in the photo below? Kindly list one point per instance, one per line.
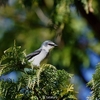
(40, 54)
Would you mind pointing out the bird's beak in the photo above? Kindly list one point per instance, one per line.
(55, 45)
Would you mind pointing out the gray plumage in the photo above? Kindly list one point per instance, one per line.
(31, 55)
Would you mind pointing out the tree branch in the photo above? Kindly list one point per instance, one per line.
(91, 19)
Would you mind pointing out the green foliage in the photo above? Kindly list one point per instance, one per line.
(13, 59)
(38, 84)
(31, 22)
(35, 21)
(95, 84)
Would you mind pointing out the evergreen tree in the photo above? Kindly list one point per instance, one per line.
(45, 82)
(94, 84)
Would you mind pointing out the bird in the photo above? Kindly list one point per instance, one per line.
(40, 54)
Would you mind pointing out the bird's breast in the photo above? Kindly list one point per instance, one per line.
(38, 58)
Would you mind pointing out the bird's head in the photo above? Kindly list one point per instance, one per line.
(47, 45)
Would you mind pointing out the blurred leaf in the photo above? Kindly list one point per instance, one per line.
(95, 84)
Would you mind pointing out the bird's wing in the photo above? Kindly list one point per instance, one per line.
(31, 55)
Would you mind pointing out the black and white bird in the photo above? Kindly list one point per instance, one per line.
(40, 54)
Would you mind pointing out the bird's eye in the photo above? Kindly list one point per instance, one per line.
(50, 44)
